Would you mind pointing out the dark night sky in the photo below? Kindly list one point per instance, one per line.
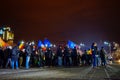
(77, 20)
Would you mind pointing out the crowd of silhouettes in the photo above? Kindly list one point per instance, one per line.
(13, 57)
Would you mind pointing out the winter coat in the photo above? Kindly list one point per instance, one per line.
(94, 50)
(15, 53)
(59, 52)
(48, 54)
(28, 50)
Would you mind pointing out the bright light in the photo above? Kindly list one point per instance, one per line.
(54, 45)
(10, 47)
(22, 42)
(1, 31)
(42, 45)
(106, 43)
(71, 44)
(51, 45)
(46, 45)
(32, 42)
(81, 44)
(119, 61)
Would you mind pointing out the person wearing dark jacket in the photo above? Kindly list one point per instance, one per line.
(74, 57)
(15, 56)
(94, 53)
(8, 55)
(28, 51)
(67, 56)
(59, 55)
(102, 56)
(41, 55)
(48, 57)
(1, 58)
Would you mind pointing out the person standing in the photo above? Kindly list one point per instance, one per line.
(14, 57)
(21, 59)
(59, 55)
(41, 57)
(102, 56)
(48, 57)
(66, 56)
(94, 54)
(1, 58)
(74, 57)
(28, 51)
(8, 52)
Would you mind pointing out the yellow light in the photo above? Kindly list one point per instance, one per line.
(7, 35)
(3, 35)
(119, 60)
(0, 44)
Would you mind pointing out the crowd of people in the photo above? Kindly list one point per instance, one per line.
(30, 56)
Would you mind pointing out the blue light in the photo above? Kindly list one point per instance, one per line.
(71, 44)
(1, 31)
(40, 44)
(47, 43)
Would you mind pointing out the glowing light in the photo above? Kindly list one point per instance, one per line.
(54, 45)
(44, 48)
(89, 52)
(71, 44)
(82, 44)
(1, 31)
(21, 45)
(106, 43)
(51, 45)
(10, 47)
(22, 42)
(40, 44)
(119, 60)
(47, 43)
(6, 28)
(32, 42)
(2, 43)
(6, 33)
(79, 47)
(7, 37)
